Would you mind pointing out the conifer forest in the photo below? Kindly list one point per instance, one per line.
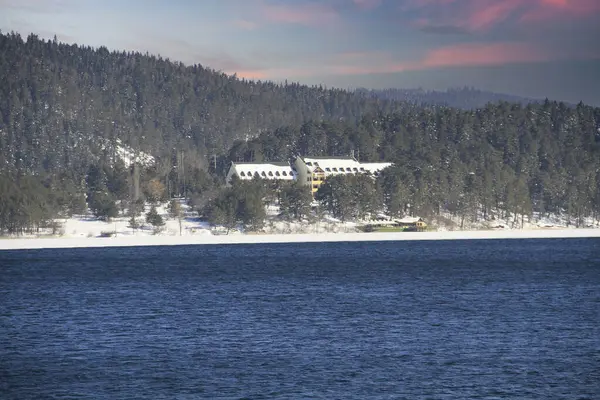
(79, 126)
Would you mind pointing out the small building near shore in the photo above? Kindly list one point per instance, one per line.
(412, 223)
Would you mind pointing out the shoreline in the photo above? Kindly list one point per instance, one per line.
(140, 241)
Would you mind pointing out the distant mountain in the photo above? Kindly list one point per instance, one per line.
(465, 98)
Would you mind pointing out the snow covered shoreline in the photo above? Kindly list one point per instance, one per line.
(159, 240)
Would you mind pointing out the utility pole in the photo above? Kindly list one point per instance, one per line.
(183, 172)
(136, 180)
(177, 165)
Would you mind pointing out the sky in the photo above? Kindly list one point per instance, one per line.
(532, 48)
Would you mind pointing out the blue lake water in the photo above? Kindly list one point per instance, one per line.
(490, 319)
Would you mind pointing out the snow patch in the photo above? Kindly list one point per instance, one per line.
(128, 156)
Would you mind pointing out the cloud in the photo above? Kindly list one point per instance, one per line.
(381, 62)
(459, 55)
(483, 54)
(560, 9)
(484, 15)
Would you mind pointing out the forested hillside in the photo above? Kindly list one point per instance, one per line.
(504, 157)
(64, 105)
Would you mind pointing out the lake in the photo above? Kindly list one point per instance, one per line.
(472, 319)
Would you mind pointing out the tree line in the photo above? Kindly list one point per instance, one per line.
(502, 160)
(30, 203)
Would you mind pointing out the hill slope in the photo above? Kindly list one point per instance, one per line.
(62, 105)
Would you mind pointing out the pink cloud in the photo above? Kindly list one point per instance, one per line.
(302, 14)
(485, 15)
(472, 15)
(275, 73)
(482, 15)
(482, 54)
(461, 55)
(250, 74)
(556, 9)
(380, 62)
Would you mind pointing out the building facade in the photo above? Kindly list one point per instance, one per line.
(313, 171)
(310, 171)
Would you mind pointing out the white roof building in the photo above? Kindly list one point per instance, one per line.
(272, 171)
(409, 220)
(303, 169)
(376, 167)
(313, 171)
(340, 165)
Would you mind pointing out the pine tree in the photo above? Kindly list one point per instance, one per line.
(175, 211)
(155, 219)
(295, 201)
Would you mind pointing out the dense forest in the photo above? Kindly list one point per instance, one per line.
(507, 157)
(66, 112)
(62, 105)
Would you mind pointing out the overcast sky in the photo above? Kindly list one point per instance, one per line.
(535, 48)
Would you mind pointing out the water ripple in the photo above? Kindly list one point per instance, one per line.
(419, 320)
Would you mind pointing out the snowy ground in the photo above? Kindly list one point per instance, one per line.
(88, 226)
(291, 238)
(448, 222)
(87, 231)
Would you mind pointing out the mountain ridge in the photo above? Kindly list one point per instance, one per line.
(457, 97)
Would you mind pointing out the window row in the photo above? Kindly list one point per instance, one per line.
(265, 174)
(347, 169)
(336, 169)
